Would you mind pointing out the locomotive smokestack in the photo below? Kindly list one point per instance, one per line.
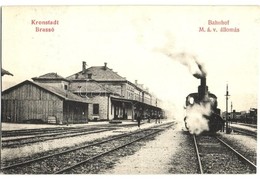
(203, 81)
(203, 88)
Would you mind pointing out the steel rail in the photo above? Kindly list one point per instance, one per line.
(42, 133)
(22, 131)
(69, 150)
(51, 134)
(251, 164)
(104, 153)
(198, 155)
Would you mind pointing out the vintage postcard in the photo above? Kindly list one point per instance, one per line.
(129, 89)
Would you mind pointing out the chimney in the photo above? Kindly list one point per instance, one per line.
(136, 82)
(105, 65)
(89, 75)
(203, 88)
(83, 66)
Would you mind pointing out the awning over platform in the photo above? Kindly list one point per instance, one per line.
(133, 102)
(122, 100)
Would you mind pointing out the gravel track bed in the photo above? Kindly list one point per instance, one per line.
(102, 164)
(217, 159)
(246, 145)
(171, 152)
(184, 161)
(55, 163)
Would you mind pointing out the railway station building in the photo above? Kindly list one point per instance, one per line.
(94, 93)
(113, 96)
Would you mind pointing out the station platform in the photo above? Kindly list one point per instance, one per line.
(21, 126)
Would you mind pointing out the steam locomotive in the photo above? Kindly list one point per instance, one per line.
(204, 97)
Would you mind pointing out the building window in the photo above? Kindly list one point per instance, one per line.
(95, 108)
(65, 87)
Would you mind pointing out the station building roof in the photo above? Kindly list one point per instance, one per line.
(98, 73)
(92, 87)
(49, 76)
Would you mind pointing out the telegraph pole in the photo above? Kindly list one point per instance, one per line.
(227, 95)
(231, 113)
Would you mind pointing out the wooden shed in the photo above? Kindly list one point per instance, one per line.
(40, 103)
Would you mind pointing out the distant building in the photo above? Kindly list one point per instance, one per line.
(249, 116)
(95, 93)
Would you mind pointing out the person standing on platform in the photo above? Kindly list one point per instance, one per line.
(138, 121)
(159, 118)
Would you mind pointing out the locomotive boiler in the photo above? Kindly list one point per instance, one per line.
(208, 102)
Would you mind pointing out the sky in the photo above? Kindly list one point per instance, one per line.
(140, 43)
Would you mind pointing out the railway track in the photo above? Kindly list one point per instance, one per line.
(28, 132)
(249, 125)
(67, 161)
(25, 137)
(41, 133)
(246, 132)
(18, 142)
(216, 156)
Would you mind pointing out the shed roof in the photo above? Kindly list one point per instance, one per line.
(62, 93)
